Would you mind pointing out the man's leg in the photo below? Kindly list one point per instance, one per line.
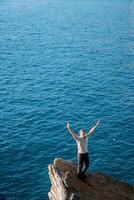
(80, 165)
(86, 162)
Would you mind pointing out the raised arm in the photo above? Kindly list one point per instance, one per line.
(93, 129)
(72, 133)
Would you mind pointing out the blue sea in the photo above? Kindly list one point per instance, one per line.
(64, 60)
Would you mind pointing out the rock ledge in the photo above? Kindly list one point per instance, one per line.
(66, 185)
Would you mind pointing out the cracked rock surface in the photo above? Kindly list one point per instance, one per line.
(98, 186)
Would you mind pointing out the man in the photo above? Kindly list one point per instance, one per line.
(82, 144)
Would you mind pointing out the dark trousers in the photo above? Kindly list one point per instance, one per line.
(83, 163)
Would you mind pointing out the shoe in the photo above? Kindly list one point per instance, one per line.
(83, 175)
(80, 176)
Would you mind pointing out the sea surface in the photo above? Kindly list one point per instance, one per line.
(64, 60)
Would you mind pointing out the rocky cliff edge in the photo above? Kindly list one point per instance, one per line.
(98, 186)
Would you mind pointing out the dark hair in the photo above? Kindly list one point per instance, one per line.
(82, 130)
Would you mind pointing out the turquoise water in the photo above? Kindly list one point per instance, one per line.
(64, 61)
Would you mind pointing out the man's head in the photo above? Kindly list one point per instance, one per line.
(82, 133)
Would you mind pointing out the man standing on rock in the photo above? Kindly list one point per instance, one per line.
(82, 144)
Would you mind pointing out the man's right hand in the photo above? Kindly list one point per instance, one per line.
(68, 125)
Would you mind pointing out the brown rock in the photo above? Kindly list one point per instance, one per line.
(66, 185)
